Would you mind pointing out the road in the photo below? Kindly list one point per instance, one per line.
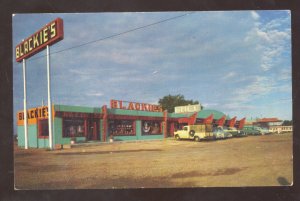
(248, 161)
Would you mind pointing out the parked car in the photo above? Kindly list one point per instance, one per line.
(221, 131)
(228, 134)
(195, 132)
(251, 130)
(235, 132)
(218, 133)
(263, 131)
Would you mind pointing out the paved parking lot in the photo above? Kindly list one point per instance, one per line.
(249, 161)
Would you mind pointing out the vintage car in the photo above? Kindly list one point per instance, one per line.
(194, 132)
(235, 132)
(222, 132)
(218, 133)
(251, 130)
(263, 131)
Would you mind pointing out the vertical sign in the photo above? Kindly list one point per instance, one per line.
(48, 35)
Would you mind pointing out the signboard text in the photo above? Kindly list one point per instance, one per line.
(135, 106)
(49, 34)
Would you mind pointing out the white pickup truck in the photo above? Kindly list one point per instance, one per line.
(195, 132)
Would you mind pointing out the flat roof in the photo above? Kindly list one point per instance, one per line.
(268, 120)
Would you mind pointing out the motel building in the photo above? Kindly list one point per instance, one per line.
(122, 121)
(274, 125)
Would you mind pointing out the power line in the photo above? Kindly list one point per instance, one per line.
(116, 35)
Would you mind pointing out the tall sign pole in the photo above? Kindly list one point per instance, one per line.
(25, 105)
(49, 99)
(50, 34)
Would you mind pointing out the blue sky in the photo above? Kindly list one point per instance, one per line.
(237, 62)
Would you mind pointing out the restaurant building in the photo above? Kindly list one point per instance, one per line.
(122, 121)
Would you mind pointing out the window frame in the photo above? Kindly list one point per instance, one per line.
(152, 122)
(64, 135)
(120, 122)
(40, 130)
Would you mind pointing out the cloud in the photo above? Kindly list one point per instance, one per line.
(285, 74)
(229, 75)
(255, 15)
(209, 105)
(124, 54)
(231, 60)
(238, 106)
(271, 40)
(260, 85)
(284, 88)
(95, 94)
(269, 57)
(79, 72)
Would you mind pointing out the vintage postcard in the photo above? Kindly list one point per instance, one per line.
(152, 99)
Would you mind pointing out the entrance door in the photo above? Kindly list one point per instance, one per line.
(171, 128)
(93, 129)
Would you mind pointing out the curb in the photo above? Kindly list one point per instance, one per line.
(87, 144)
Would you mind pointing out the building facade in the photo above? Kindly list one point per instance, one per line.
(274, 125)
(280, 129)
(82, 124)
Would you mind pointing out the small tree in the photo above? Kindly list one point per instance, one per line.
(287, 123)
(169, 102)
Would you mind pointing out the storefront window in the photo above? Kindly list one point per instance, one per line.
(151, 127)
(121, 127)
(43, 128)
(73, 127)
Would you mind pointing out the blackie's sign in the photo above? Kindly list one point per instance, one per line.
(48, 35)
(126, 105)
(35, 113)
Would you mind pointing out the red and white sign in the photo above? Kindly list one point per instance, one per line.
(125, 105)
(48, 35)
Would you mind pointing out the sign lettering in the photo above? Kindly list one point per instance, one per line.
(125, 105)
(48, 35)
(34, 113)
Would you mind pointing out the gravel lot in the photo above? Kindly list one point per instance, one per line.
(248, 161)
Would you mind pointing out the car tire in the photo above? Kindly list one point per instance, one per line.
(177, 137)
(192, 133)
(197, 139)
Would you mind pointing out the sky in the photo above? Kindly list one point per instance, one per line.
(236, 62)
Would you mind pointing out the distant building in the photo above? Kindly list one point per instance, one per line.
(249, 122)
(267, 122)
(274, 125)
(281, 129)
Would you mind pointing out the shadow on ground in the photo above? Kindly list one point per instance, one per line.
(106, 152)
(283, 181)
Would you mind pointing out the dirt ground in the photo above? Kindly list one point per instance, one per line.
(248, 161)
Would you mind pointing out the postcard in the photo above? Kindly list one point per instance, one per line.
(122, 100)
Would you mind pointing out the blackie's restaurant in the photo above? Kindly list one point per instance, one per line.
(121, 121)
